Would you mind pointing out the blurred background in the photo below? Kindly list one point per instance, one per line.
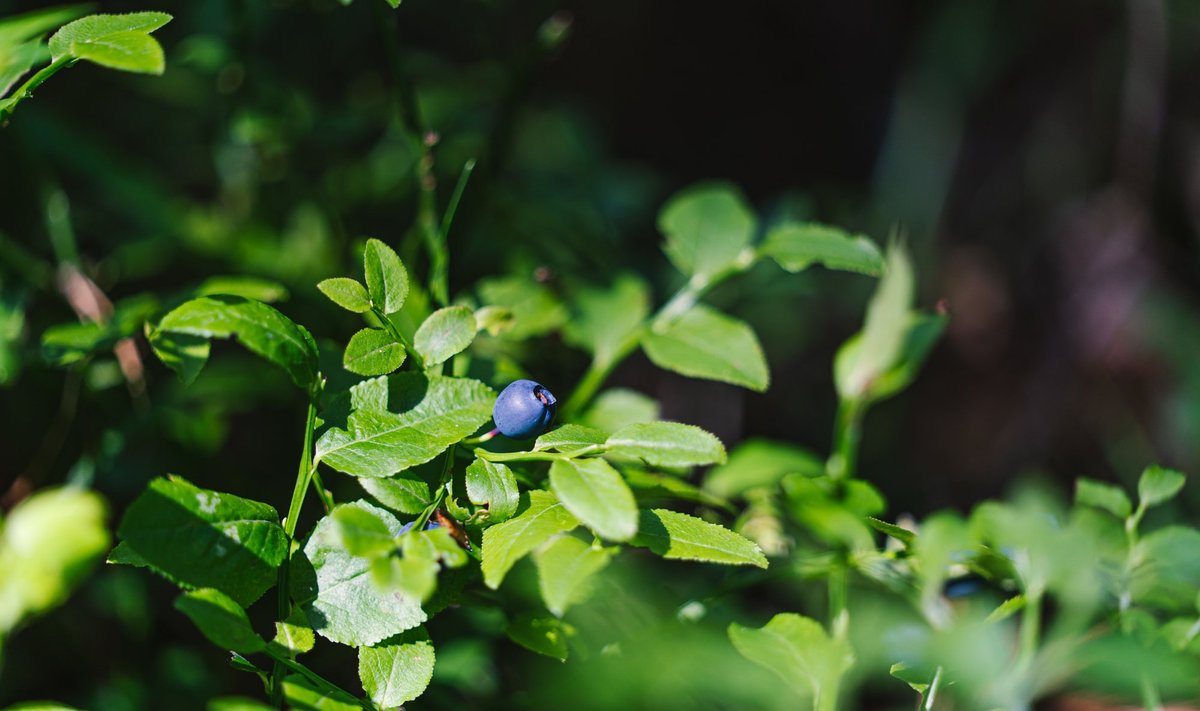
(1042, 160)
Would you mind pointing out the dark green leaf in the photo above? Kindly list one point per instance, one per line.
(387, 279)
(506, 543)
(797, 245)
(544, 635)
(705, 343)
(444, 334)
(604, 319)
(618, 407)
(597, 495)
(361, 531)
(220, 619)
(206, 539)
(402, 421)
(294, 635)
(373, 351)
(397, 670)
(535, 309)
(303, 695)
(671, 534)
(492, 485)
(800, 652)
(263, 290)
(707, 227)
(406, 492)
(258, 327)
(759, 463)
(667, 444)
(347, 293)
(565, 569)
(183, 353)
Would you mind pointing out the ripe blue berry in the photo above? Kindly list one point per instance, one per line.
(524, 410)
(429, 526)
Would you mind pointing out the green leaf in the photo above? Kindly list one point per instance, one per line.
(338, 595)
(569, 438)
(362, 532)
(404, 420)
(705, 343)
(258, 327)
(114, 41)
(182, 353)
(1112, 499)
(877, 349)
(618, 407)
(671, 534)
(565, 569)
(667, 444)
(16, 61)
(406, 492)
(494, 319)
(446, 333)
(597, 495)
(920, 336)
(205, 539)
(48, 544)
(604, 319)
(237, 703)
(535, 309)
(347, 293)
(492, 485)
(504, 544)
(303, 695)
(544, 635)
(18, 28)
(294, 635)
(707, 226)
(901, 534)
(263, 290)
(797, 245)
(220, 619)
(397, 670)
(373, 351)
(1158, 485)
(760, 463)
(387, 279)
(799, 651)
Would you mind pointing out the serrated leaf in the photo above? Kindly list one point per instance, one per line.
(338, 595)
(362, 532)
(387, 279)
(404, 420)
(667, 444)
(535, 309)
(303, 695)
(597, 495)
(799, 651)
(114, 41)
(504, 544)
(446, 333)
(901, 534)
(397, 670)
(1158, 485)
(1112, 499)
(565, 569)
(671, 534)
(347, 293)
(797, 245)
(544, 635)
(604, 319)
(760, 463)
(618, 407)
(492, 485)
(406, 492)
(705, 343)
(206, 539)
(220, 619)
(294, 635)
(260, 328)
(373, 351)
(569, 438)
(706, 228)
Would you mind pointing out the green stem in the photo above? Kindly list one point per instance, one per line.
(398, 336)
(322, 684)
(539, 456)
(684, 299)
(1151, 701)
(846, 437)
(303, 477)
(1031, 629)
(932, 692)
(323, 494)
(447, 468)
(26, 90)
(839, 615)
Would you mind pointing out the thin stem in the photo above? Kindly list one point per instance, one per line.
(26, 90)
(481, 438)
(934, 686)
(323, 494)
(1151, 701)
(322, 684)
(398, 336)
(846, 437)
(839, 615)
(303, 477)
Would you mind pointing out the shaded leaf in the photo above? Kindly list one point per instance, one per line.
(759, 463)
(565, 569)
(406, 492)
(544, 635)
(706, 228)
(504, 544)
(799, 651)
(535, 309)
(704, 343)
(597, 495)
(220, 619)
(618, 407)
(397, 670)
(492, 484)
(604, 319)
(294, 635)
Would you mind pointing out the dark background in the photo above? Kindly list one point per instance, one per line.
(1041, 159)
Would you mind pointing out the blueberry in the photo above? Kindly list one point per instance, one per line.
(524, 410)
(429, 526)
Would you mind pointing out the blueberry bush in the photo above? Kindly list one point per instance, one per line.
(470, 482)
